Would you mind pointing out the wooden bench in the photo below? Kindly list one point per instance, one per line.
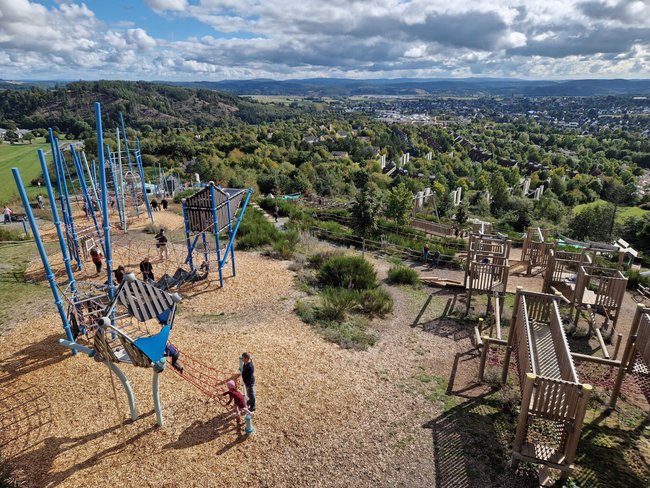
(642, 293)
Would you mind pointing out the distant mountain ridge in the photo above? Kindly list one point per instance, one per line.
(438, 87)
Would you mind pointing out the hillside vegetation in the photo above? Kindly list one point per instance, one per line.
(70, 108)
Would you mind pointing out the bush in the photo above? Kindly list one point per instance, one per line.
(184, 194)
(153, 228)
(317, 260)
(12, 235)
(351, 334)
(635, 279)
(352, 272)
(336, 303)
(255, 231)
(285, 246)
(376, 302)
(401, 275)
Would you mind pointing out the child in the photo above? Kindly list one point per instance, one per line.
(96, 256)
(425, 253)
(248, 376)
(172, 352)
(237, 397)
(164, 203)
(146, 269)
(161, 243)
(7, 212)
(119, 274)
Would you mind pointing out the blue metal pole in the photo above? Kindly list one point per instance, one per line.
(206, 254)
(128, 158)
(76, 196)
(41, 250)
(57, 224)
(138, 160)
(241, 216)
(111, 165)
(215, 225)
(56, 159)
(232, 248)
(68, 208)
(84, 189)
(104, 196)
(187, 236)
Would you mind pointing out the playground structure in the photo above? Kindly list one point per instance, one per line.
(535, 250)
(212, 210)
(587, 288)
(553, 400)
(111, 321)
(636, 356)
(487, 268)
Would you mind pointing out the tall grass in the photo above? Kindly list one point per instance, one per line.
(401, 275)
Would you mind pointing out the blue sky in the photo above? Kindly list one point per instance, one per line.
(281, 39)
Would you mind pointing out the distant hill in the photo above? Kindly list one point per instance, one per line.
(441, 87)
(71, 106)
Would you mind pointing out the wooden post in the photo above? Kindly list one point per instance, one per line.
(619, 338)
(522, 423)
(484, 355)
(512, 336)
(574, 436)
(628, 356)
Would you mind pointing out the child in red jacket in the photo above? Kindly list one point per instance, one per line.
(237, 397)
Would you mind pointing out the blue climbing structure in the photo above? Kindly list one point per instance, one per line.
(214, 211)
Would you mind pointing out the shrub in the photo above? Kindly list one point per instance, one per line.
(12, 235)
(351, 334)
(153, 228)
(184, 194)
(376, 302)
(255, 231)
(336, 303)
(401, 275)
(635, 279)
(352, 272)
(316, 260)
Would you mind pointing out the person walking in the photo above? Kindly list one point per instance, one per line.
(7, 213)
(425, 254)
(96, 257)
(248, 377)
(146, 269)
(164, 204)
(276, 212)
(154, 205)
(161, 243)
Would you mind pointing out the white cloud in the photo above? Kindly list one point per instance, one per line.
(172, 5)
(356, 38)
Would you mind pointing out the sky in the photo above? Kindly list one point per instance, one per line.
(188, 40)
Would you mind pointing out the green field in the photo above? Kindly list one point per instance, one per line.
(622, 214)
(25, 158)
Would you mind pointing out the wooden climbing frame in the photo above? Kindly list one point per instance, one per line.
(553, 401)
(487, 267)
(636, 356)
(535, 251)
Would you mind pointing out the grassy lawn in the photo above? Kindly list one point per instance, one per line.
(15, 292)
(24, 157)
(622, 213)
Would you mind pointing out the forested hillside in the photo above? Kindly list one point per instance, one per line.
(69, 108)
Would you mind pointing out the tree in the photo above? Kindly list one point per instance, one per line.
(11, 136)
(593, 223)
(461, 214)
(399, 203)
(500, 193)
(29, 137)
(365, 212)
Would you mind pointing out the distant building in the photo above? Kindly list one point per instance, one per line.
(340, 154)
